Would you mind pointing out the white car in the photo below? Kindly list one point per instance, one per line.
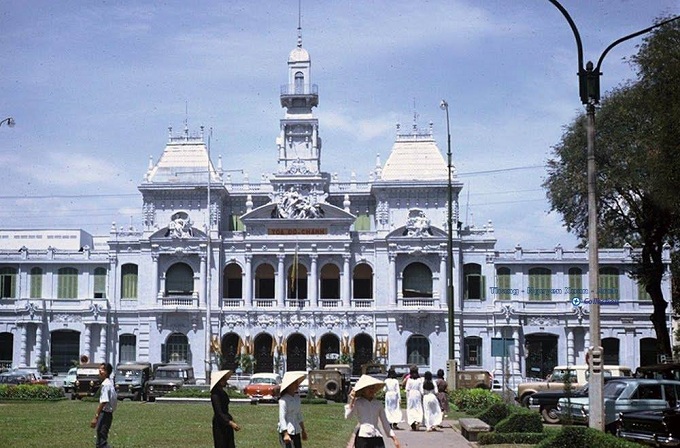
(70, 379)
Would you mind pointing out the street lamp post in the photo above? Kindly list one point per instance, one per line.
(589, 92)
(449, 253)
(9, 121)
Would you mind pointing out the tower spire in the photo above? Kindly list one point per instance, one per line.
(299, 28)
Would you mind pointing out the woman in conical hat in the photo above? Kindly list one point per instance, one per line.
(369, 411)
(223, 424)
(291, 425)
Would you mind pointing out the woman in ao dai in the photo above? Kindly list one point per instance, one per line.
(392, 398)
(414, 399)
(431, 410)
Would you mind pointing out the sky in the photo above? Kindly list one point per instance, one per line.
(94, 85)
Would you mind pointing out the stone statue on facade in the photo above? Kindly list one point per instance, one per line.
(418, 224)
(292, 205)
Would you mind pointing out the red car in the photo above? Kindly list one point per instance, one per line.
(264, 387)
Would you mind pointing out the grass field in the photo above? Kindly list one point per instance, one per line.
(155, 425)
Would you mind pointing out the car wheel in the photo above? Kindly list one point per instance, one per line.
(550, 415)
(612, 428)
(525, 400)
(331, 388)
(137, 396)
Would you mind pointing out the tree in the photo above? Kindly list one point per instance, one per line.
(636, 148)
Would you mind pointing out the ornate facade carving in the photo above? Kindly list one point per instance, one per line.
(293, 205)
(417, 224)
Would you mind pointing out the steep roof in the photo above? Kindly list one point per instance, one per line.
(184, 160)
(415, 156)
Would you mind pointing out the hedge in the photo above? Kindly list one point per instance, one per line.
(494, 438)
(495, 413)
(522, 420)
(584, 437)
(30, 392)
(473, 401)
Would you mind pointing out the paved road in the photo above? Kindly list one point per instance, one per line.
(447, 437)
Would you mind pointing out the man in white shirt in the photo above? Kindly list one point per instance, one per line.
(108, 399)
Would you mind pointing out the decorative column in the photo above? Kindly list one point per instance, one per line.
(516, 363)
(313, 286)
(392, 278)
(248, 281)
(498, 365)
(346, 278)
(571, 360)
(38, 343)
(203, 289)
(102, 342)
(280, 281)
(442, 280)
(87, 341)
(586, 342)
(23, 328)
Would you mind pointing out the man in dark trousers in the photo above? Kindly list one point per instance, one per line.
(107, 405)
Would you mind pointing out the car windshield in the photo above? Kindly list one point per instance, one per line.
(170, 374)
(613, 389)
(262, 381)
(128, 374)
(88, 372)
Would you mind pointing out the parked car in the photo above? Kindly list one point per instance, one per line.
(131, 379)
(376, 370)
(658, 428)
(303, 390)
(474, 379)
(622, 395)
(20, 377)
(70, 380)
(545, 401)
(330, 384)
(168, 378)
(87, 381)
(577, 375)
(263, 387)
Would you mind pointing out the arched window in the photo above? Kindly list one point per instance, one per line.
(330, 281)
(128, 347)
(417, 281)
(299, 82)
(179, 280)
(540, 284)
(8, 283)
(608, 283)
(363, 281)
(232, 283)
(642, 292)
(36, 282)
(473, 351)
(67, 283)
(129, 281)
(99, 283)
(418, 350)
(177, 348)
(264, 282)
(503, 283)
(474, 285)
(610, 346)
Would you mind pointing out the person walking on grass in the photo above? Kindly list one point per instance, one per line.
(432, 413)
(108, 400)
(291, 425)
(369, 411)
(223, 424)
(392, 399)
(414, 399)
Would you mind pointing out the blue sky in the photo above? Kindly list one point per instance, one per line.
(94, 85)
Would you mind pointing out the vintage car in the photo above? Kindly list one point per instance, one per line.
(658, 428)
(87, 381)
(376, 370)
(70, 380)
(263, 387)
(474, 379)
(330, 384)
(20, 377)
(577, 375)
(131, 379)
(622, 395)
(545, 402)
(168, 378)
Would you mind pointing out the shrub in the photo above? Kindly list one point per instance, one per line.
(522, 420)
(30, 392)
(199, 392)
(473, 401)
(582, 436)
(495, 413)
(313, 400)
(493, 438)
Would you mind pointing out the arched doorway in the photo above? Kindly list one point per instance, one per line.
(541, 354)
(229, 349)
(363, 352)
(65, 350)
(176, 349)
(330, 350)
(264, 358)
(296, 352)
(179, 280)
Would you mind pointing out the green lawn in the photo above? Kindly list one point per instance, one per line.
(66, 424)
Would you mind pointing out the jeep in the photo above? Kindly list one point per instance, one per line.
(87, 381)
(169, 378)
(131, 380)
(332, 383)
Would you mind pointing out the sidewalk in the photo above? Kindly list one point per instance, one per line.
(446, 437)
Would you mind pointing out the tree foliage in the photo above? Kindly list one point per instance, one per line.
(636, 149)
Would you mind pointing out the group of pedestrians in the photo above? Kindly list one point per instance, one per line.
(426, 399)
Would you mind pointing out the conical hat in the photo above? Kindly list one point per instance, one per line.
(291, 377)
(215, 377)
(366, 381)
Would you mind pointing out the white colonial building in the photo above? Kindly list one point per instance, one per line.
(300, 269)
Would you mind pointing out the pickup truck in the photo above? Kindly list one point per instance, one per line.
(577, 375)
